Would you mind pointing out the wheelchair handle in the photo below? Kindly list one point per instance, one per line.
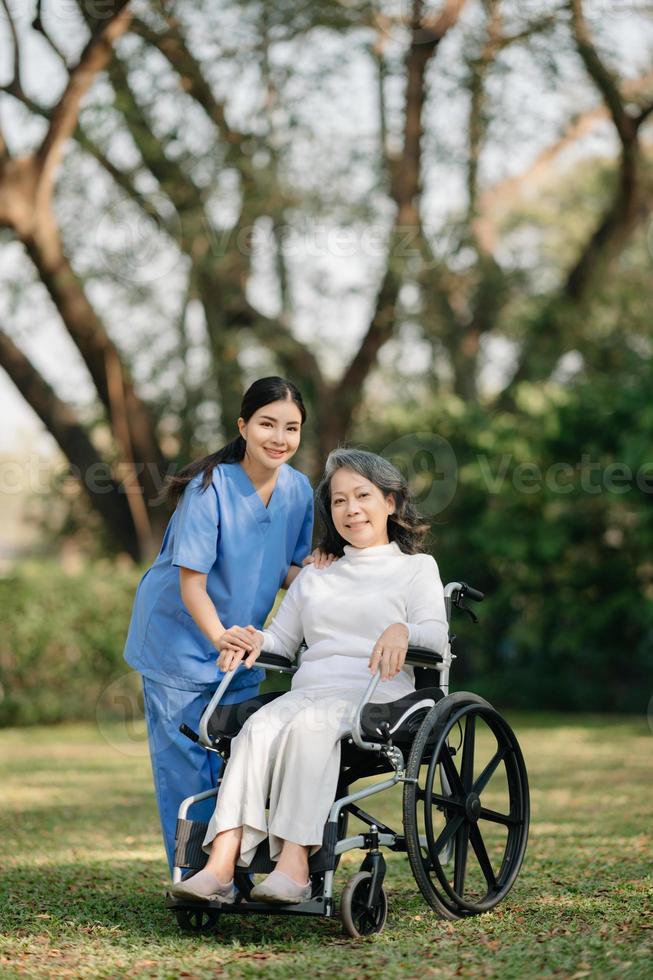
(474, 594)
(188, 732)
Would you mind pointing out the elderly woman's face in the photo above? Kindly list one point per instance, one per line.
(359, 509)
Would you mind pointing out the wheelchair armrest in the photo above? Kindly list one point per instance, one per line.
(423, 657)
(269, 661)
(275, 661)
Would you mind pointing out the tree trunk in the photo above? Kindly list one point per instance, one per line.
(105, 493)
(129, 418)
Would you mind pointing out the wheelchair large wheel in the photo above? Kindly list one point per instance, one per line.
(466, 810)
(357, 919)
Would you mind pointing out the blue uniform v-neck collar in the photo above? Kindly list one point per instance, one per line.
(262, 513)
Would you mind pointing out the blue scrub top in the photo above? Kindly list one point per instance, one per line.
(246, 550)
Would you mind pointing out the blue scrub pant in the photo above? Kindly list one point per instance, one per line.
(180, 767)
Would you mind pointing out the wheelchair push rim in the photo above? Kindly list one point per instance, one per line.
(466, 808)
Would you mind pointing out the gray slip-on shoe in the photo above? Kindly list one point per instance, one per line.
(205, 887)
(279, 889)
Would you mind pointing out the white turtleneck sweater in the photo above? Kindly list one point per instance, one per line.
(342, 610)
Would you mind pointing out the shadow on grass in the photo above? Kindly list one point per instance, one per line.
(126, 903)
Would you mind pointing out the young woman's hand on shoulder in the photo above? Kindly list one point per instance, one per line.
(319, 558)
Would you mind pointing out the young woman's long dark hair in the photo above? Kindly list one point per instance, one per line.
(405, 526)
(260, 393)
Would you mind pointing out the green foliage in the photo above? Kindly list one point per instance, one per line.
(62, 640)
(552, 519)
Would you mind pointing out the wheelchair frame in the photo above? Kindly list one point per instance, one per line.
(366, 897)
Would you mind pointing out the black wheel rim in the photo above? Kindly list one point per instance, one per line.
(367, 921)
(461, 815)
(196, 920)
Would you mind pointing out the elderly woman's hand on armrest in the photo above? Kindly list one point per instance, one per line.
(389, 651)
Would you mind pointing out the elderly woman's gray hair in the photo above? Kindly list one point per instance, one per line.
(405, 526)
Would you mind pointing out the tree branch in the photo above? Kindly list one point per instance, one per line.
(644, 115)
(495, 42)
(613, 230)
(95, 57)
(605, 81)
(385, 155)
(39, 27)
(173, 46)
(220, 282)
(62, 422)
(296, 359)
(124, 180)
(25, 206)
(174, 181)
(479, 68)
(622, 215)
(14, 87)
(426, 35)
(486, 283)
(130, 418)
(502, 195)
(626, 210)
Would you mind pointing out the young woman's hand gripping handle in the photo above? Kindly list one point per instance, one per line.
(230, 657)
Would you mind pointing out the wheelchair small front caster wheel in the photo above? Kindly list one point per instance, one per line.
(357, 919)
(196, 920)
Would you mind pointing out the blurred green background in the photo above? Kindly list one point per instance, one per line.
(433, 218)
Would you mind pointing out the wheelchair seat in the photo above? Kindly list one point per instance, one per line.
(227, 719)
(400, 719)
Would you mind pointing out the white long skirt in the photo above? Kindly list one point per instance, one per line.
(288, 750)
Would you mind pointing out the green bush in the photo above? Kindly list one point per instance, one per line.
(62, 639)
(61, 646)
(564, 556)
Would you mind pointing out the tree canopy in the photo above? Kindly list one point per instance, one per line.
(325, 190)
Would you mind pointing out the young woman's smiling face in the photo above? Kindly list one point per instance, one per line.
(359, 509)
(272, 433)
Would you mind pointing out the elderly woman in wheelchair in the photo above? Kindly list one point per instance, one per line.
(375, 628)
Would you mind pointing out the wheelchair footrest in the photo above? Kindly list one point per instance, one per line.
(314, 906)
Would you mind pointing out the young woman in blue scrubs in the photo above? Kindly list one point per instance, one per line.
(241, 530)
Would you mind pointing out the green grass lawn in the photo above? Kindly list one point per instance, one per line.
(82, 872)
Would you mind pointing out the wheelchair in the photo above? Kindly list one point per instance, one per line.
(465, 800)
